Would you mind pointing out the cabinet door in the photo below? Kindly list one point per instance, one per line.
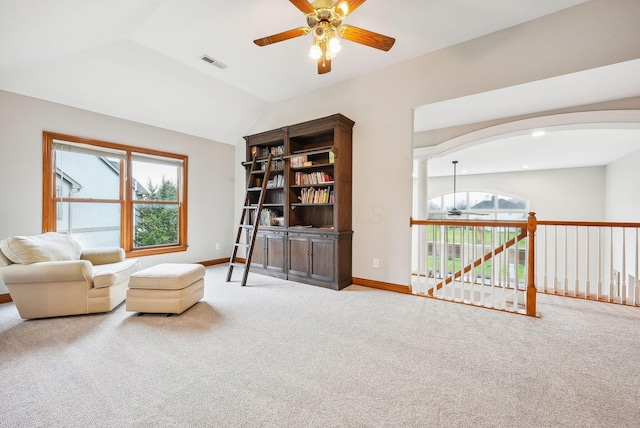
(258, 255)
(322, 259)
(298, 256)
(275, 244)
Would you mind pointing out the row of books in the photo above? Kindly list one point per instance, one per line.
(263, 152)
(276, 165)
(298, 161)
(276, 181)
(271, 218)
(316, 196)
(317, 177)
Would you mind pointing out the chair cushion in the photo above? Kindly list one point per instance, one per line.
(47, 247)
(114, 273)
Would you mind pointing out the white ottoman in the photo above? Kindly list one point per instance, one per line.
(167, 288)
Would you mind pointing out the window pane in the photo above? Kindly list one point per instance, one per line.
(155, 224)
(461, 201)
(80, 175)
(507, 203)
(435, 204)
(155, 180)
(481, 201)
(93, 225)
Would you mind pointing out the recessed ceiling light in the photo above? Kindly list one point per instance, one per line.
(538, 133)
(525, 166)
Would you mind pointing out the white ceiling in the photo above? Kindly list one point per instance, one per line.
(561, 147)
(558, 148)
(140, 59)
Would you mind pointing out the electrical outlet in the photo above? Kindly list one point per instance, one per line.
(376, 263)
(217, 245)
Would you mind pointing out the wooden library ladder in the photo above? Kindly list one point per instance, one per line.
(248, 207)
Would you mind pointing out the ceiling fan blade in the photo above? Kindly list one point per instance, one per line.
(296, 32)
(304, 6)
(324, 65)
(366, 37)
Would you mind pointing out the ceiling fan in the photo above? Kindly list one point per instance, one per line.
(324, 20)
(454, 212)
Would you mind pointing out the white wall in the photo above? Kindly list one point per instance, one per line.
(597, 33)
(623, 189)
(576, 194)
(211, 179)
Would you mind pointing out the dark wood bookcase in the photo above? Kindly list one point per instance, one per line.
(304, 233)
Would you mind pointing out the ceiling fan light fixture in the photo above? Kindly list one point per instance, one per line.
(315, 52)
(343, 8)
(334, 45)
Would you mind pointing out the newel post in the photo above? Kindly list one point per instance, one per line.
(532, 224)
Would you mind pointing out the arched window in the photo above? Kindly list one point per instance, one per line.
(477, 204)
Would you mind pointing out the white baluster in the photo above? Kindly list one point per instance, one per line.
(546, 270)
(565, 284)
(587, 285)
(611, 266)
(555, 254)
(576, 285)
(600, 257)
(623, 291)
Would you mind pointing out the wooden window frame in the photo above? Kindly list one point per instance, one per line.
(126, 201)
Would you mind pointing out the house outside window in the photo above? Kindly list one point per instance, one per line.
(479, 205)
(106, 194)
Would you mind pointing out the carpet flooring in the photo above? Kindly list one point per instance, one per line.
(281, 354)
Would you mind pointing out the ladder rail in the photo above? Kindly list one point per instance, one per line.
(234, 253)
(246, 207)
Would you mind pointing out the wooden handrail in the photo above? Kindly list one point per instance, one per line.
(587, 223)
(465, 222)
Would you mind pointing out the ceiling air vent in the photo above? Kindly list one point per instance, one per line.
(212, 61)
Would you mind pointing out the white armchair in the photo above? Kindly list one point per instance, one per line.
(50, 275)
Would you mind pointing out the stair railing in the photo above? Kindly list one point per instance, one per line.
(482, 263)
(590, 260)
(503, 264)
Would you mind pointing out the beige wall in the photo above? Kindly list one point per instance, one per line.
(576, 194)
(210, 171)
(622, 201)
(598, 33)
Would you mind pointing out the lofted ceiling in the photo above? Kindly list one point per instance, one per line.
(141, 59)
(578, 145)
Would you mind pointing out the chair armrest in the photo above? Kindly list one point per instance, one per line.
(47, 272)
(103, 256)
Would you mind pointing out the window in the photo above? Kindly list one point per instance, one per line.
(479, 205)
(106, 194)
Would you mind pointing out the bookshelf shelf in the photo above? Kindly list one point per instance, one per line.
(311, 242)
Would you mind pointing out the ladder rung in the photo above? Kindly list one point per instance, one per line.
(250, 207)
(240, 244)
(247, 226)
